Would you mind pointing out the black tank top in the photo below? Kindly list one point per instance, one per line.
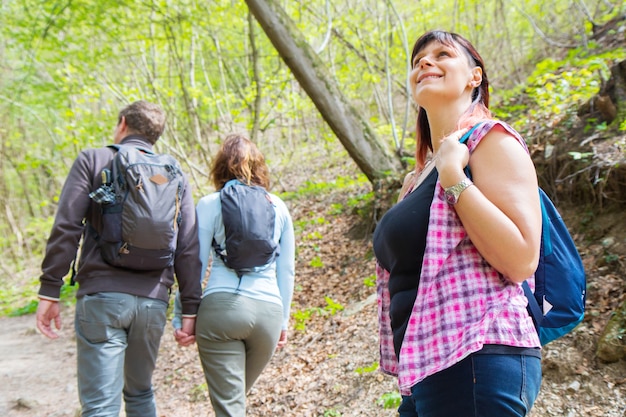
(399, 243)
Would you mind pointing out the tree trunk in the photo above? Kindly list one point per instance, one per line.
(610, 102)
(369, 153)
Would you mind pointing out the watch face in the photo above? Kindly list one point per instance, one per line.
(452, 194)
(450, 197)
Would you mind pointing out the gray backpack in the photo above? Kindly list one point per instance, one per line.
(249, 216)
(140, 200)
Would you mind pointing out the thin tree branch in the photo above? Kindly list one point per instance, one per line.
(539, 32)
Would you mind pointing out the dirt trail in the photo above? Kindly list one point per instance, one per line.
(328, 368)
(38, 375)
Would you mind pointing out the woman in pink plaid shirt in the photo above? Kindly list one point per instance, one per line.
(452, 254)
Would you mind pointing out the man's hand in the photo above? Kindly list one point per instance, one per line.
(186, 335)
(48, 311)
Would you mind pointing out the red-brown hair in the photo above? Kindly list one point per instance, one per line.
(478, 110)
(239, 158)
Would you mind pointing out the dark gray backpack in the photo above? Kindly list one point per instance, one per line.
(249, 216)
(140, 200)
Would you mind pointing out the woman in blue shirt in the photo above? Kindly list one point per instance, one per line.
(241, 321)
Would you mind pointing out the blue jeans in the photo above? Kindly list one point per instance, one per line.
(117, 337)
(482, 385)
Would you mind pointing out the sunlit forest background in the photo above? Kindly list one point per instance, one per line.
(67, 67)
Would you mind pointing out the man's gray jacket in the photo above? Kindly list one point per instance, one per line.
(76, 211)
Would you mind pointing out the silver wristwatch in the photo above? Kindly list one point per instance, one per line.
(452, 193)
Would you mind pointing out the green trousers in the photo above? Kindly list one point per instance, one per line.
(236, 338)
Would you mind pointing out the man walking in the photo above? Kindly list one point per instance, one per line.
(120, 311)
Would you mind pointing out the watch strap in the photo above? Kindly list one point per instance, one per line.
(453, 193)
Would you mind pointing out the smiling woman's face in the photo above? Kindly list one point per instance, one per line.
(440, 71)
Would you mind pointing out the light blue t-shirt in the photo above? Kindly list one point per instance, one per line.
(273, 284)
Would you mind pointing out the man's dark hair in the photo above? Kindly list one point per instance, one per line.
(144, 118)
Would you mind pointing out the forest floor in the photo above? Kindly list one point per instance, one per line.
(329, 366)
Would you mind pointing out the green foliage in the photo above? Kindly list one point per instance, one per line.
(558, 86)
(359, 200)
(315, 235)
(556, 92)
(367, 369)
(301, 317)
(390, 400)
(313, 220)
(27, 243)
(592, 124)
(9, 300)
(311, 188)
(580, 155)
(316, 262)
(332, 306)
(611, 258)
(17, 301)
(199, 393)
(29, 308)
(336, 208)
(370, 281)
(68, 293)
(69, 67)
(331, 412)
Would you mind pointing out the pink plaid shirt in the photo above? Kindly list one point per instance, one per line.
(462, 302)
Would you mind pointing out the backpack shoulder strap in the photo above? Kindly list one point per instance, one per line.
(218, 249)
(118, 147)
(467, 134)
(533, 306)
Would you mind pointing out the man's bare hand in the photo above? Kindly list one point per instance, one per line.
(47, 312)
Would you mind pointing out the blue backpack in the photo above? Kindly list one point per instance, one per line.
(558, 302)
